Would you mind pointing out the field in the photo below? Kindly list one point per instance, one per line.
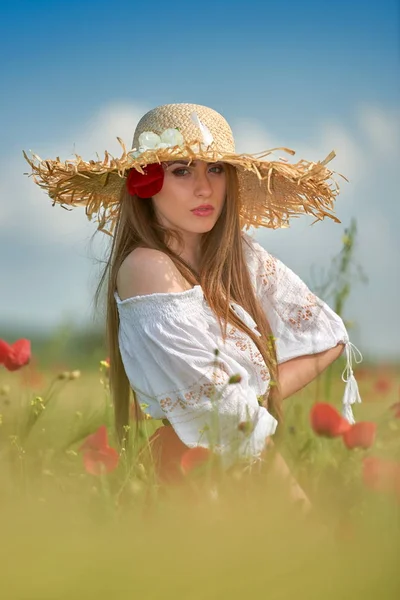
(67, 533)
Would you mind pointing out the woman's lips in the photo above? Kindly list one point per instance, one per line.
(202, 212)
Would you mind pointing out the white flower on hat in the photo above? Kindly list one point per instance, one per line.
(148, 140)
(172, 137)
(161, 145)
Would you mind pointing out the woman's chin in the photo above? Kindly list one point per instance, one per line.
(204, 227)
(202, 224)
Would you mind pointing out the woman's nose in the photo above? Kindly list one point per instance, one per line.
(202, 185)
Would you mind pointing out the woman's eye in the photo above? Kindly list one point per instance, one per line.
(180, 172)
(217, 169)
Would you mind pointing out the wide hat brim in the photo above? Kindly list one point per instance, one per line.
(270, 191)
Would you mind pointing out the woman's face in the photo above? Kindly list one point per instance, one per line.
(185, 188)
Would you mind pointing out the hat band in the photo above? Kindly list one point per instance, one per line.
(172, 138)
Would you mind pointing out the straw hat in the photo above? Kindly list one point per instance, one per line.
(270, 191)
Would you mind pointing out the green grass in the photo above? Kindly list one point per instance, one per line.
(67, 534)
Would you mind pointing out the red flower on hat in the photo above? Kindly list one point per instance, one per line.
(326, 421)
(98, 456)
(147, 184)
(360, 435)
(14, 356)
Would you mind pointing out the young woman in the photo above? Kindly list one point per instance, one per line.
(207, 328)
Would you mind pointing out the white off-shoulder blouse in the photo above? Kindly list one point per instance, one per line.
(168, 340)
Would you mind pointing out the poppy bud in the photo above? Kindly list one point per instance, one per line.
(246, 427)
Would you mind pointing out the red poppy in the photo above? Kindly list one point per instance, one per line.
(101, 461)
(360, 435)
(147, 184)
(96, 440)
(326, 420)
(194, 458)
(98, 456)
(381, 475)
(383, 385)
(14, 356)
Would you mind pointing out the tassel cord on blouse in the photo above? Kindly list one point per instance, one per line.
(351, 393)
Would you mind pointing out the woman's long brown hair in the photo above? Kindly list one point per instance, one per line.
(223, 276)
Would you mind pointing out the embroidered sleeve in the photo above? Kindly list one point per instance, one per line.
(171, 365)
(301, 322)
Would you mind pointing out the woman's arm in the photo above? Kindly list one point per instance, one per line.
(298, 372)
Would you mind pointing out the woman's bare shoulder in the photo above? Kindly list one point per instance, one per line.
(148, 271)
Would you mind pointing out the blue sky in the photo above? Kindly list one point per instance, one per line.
(309, 75)
(284, 62)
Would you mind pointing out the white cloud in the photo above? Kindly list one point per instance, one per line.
(381, 128)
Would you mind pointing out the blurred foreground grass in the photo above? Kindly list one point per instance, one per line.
(234, 547)
(66, 534)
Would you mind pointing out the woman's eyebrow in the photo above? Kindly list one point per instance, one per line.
(186, 163)
(180, 162)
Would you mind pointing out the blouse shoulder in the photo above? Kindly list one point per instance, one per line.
(161, 304)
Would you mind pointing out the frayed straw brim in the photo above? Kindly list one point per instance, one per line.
(271, 192)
